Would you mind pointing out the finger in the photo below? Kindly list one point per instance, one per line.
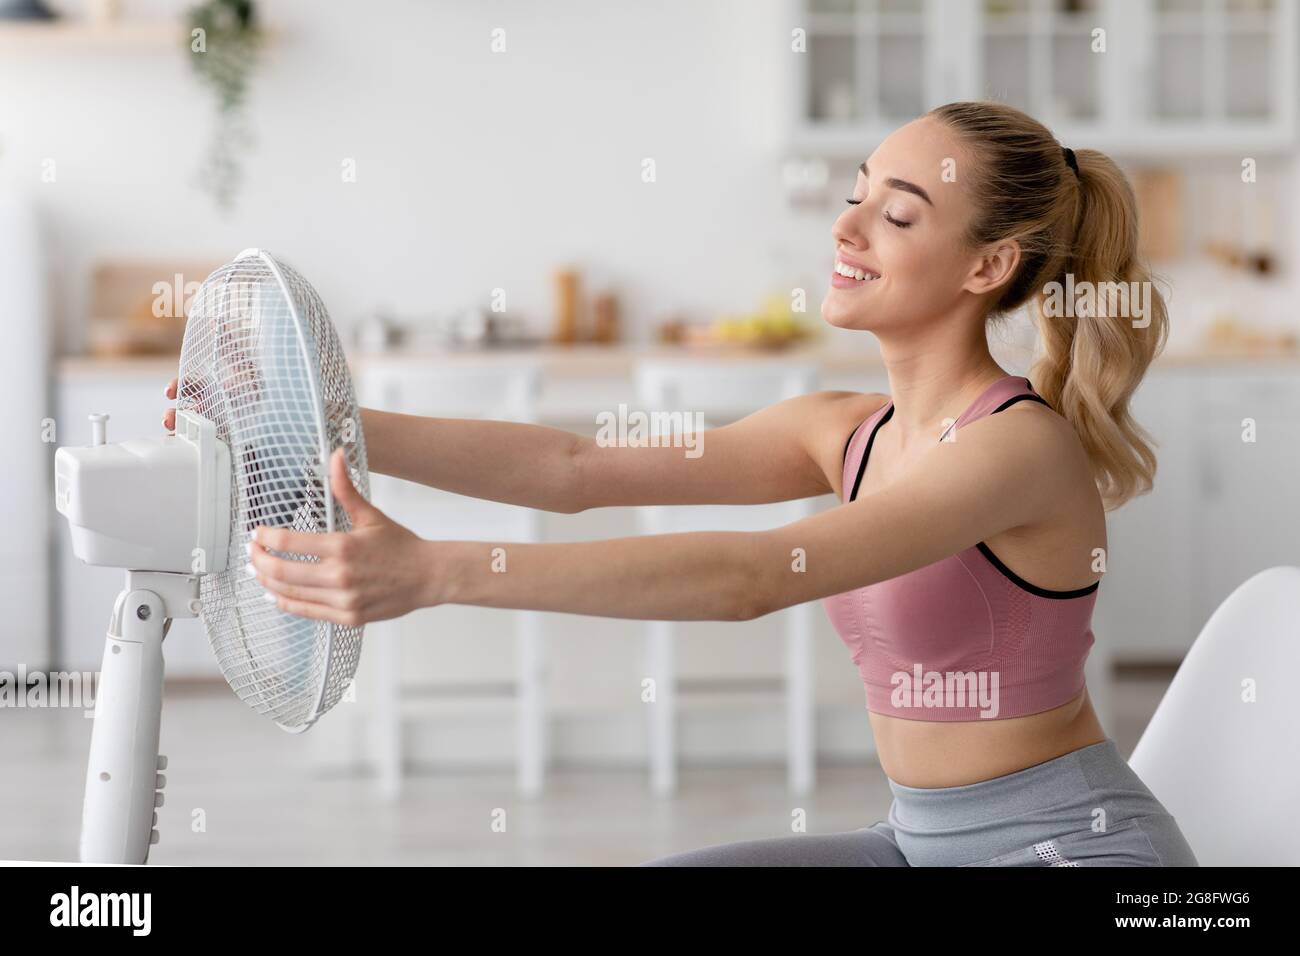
(358, 509)
(316, 574)
(321, 612)
(169, 416)
(331, 597)
(296, 542)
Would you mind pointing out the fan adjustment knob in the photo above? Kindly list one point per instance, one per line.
(162, 761)
(154, 837)
(98, 429)
(155, 819)
(157, 798)
(159, 781)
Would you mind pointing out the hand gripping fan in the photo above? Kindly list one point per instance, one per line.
(264, 399)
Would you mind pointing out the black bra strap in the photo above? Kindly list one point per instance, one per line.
(1020, 398)
(862, 466)
(866, 452)
(1033, 588)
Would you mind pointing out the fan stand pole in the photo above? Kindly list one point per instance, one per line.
(123, 785)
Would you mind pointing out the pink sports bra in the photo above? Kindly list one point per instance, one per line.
(965, 638)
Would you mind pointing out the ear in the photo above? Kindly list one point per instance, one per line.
(995, 267)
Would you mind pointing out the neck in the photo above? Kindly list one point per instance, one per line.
(932, 382)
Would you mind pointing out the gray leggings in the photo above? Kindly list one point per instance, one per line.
(1085, 808)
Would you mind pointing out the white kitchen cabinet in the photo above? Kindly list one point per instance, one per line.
(1143, 611)
(1249, 499)
(1221, 511)
(134, 400)
(870, 65)
(1133, 77)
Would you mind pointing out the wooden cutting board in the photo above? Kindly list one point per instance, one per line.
(137, 307)
(1159, 194)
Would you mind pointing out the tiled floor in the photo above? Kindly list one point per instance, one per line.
(253, 789)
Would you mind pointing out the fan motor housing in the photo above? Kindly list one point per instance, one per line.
(158, 504)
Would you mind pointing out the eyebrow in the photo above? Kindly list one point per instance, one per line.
(902, 184)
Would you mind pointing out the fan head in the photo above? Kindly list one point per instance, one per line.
(263, 363)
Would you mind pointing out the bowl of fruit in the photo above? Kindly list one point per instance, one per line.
(772, 326)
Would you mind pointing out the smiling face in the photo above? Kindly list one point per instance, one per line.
(902, 261)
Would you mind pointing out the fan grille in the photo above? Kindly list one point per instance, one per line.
(261, 360)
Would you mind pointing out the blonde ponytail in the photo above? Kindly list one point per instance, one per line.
(1078, 233)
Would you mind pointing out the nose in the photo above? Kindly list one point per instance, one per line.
(847, 229)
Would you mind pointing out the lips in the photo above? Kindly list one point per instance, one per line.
(848, 273)
(855, 272)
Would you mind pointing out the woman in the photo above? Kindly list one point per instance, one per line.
(962, 567)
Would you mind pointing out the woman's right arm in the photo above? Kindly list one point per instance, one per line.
(779, 453)
(520, 464)
(787, 451)
(793, 449)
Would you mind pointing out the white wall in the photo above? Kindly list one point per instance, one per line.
(25, 580)
(474, 170)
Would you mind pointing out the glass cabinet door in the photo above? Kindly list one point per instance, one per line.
(1248, 60)
(1215, 60)
(1144, 76)
(866, 61)
(1038, 55)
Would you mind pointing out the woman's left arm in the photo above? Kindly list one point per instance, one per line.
(1004, 471)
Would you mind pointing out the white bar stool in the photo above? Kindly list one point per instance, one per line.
(490, 389)
(722, 391)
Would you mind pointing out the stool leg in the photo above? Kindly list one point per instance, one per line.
(531, 728)
(384, 638)
(662, 711)
(801, 729)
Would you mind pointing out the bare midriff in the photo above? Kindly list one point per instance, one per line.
(930, 753)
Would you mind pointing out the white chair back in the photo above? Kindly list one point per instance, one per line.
(488, 389)
(1222, 751)
(719, 392)
(461, 388)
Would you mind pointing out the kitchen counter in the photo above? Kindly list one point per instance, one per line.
(602, 361)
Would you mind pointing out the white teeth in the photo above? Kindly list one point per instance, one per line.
(853, 273)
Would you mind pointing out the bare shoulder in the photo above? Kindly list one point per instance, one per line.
(1047, 429)
(1031, 438)
(838, 408)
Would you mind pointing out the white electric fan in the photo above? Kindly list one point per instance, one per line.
(264, 398)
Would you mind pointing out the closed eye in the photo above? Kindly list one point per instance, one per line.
(888, 218)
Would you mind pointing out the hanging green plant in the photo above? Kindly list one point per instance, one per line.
(224, 45)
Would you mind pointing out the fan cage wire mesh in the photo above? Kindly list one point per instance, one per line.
(262, 361)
